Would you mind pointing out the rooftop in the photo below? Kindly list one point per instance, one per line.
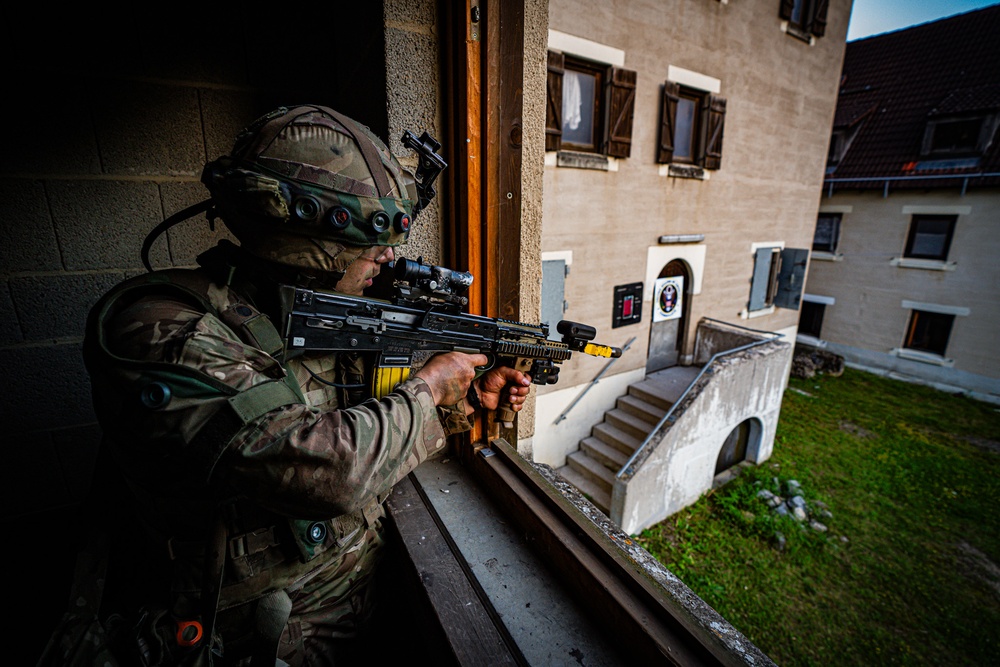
(921, 102)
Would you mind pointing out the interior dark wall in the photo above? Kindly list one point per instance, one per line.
(106, 122)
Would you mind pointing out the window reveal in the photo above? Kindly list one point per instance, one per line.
(581, 111)
(811, 318)
(928, 332)
(930, 236)
(827, 234)
(685, 132)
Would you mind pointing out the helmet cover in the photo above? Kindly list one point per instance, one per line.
(308, 186)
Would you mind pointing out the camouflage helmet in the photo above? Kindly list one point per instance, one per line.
(308, 186)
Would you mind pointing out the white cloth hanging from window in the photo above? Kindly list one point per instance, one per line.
(572, 102)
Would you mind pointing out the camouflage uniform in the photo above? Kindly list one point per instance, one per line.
(206, 420)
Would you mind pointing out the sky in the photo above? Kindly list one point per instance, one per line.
(871, 17)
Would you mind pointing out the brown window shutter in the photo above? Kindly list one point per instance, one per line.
(715, 119)
(668, 114)
(785, 9)
(621, 109)
(819, 18)
(553, 104)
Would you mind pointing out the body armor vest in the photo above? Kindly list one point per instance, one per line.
(168, 462)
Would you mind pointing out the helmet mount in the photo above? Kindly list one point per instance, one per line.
(313, 174)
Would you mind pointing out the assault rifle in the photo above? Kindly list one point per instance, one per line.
(425, 315)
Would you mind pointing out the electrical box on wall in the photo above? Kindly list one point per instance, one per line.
(628, 305)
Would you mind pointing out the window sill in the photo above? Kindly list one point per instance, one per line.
(797, 33)
(923, 357)
(927, 264)
(684, 171)
(811, 341)
(750, 314)
(576, 160)
(828, 256)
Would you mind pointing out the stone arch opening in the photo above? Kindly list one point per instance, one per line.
(743, 439)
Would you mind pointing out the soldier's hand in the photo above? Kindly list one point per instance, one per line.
(503, 385)
(450, 374)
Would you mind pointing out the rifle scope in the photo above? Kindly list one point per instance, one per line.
(431, 278)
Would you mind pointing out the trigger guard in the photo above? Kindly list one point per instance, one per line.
(492, 361)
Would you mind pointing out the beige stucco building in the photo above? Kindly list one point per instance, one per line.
(903, 276)
(708, 164)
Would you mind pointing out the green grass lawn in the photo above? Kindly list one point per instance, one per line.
(908, 571)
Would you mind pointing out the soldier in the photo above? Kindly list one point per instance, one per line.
(258, 480)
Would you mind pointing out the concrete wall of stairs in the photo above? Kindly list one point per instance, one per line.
(678, 465)
(612, 442)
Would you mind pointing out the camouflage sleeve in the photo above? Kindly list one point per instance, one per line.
(308, 462)
(300, 460)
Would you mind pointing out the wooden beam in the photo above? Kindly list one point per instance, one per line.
(469, 625)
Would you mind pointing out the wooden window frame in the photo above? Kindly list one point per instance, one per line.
(698, 97)
(600, 74)
(921, 321)
(812, 18)
(911, 236)
(614, 106)
(708, 130)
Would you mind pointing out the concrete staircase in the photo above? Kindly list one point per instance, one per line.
(592, 468)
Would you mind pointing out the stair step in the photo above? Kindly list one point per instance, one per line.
(650, 392)
(617, 438)
(670, 383)
(597, 495)
(632, 425)
(592, 469)
(645, 411)
(611, 458)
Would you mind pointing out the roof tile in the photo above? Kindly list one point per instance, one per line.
(894, 82)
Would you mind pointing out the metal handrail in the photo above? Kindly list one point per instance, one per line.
(668, 417)
(593, 382)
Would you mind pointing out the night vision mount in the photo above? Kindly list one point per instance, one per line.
(429, 168)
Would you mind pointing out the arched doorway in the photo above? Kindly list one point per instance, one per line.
(742, 439)
(671, 305)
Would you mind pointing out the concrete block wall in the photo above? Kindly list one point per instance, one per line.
(106, 133)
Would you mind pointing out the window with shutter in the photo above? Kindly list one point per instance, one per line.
(715, 118)
(621, 109)
(765, 276)
(791, 278)
(805, 17)
(668, 115)
(589, 106)
(778, 278)
(691, 126)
